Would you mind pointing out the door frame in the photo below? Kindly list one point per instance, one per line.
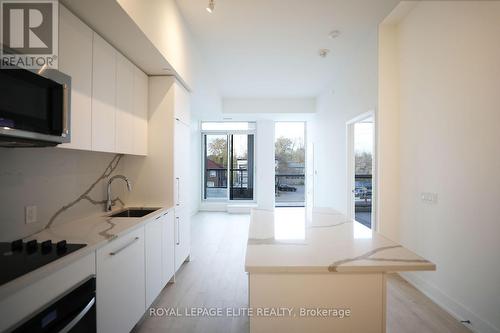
(350, 164)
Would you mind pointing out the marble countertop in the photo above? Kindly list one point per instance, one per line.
(94, 231)
(322, 240)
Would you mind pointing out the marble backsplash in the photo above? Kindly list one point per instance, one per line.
(64, 185)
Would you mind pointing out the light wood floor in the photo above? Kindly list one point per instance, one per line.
(215, 278)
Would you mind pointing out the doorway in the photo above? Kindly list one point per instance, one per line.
(361, 157)
(289, 161)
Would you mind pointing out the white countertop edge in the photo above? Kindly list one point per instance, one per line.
(23, 281)
(340, 269)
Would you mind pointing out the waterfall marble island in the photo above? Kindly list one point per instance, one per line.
(320, 259)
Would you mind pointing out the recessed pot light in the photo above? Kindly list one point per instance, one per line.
(323, 52)
(334, 34)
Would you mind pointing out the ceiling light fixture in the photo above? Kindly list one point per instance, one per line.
(211, 6)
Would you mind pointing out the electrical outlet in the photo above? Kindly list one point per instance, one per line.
(30, 216)
(428, 197)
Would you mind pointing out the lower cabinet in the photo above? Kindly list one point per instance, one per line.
(159, 255)
(153, 259)
(120, 283)
(168, 247)
(182, 236)
(132, 270)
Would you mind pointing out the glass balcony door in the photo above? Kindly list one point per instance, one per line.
(215, 156)
(241, 163)
(228, 166)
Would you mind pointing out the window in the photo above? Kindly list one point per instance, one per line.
(228, 160)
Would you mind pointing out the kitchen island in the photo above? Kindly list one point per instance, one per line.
(320, 271)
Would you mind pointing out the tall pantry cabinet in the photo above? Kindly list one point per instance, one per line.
(163, 177)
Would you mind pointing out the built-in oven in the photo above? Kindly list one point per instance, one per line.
(73, 312)
(34, 107)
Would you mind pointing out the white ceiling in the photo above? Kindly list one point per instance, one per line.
(269, 48)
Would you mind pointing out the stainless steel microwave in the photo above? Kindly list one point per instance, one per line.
(34, 108)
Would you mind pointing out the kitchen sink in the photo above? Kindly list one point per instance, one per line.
(134, 212)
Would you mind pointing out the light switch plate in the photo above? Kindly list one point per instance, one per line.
(30, 214)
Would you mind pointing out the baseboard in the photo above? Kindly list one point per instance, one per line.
(455, 309)
(240, 209)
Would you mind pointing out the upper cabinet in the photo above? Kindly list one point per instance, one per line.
(182, 105)
(141, 90)
(124, 117)
(103, 96)
(75, 59)
(109, 104)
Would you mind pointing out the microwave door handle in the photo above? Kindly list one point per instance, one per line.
(65, 110)
(78, 317)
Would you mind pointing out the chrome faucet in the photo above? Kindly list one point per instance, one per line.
(109, 202)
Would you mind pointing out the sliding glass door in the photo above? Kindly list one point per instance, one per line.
(215, 166)
(241, 163)
(228, 163)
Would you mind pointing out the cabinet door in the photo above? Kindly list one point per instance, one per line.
(168, 247)
(182, 236)
(75, 59)
(182, 166)
(153, 259)
(120, 283)
(141, 83)
(182, 107)
(103, 95)
(124, 117)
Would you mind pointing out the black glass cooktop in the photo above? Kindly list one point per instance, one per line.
(19, 258)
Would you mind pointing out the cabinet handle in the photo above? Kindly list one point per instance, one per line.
(178, 230)
(178, 203)
(124, 247)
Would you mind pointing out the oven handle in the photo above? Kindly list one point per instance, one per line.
(78, 317)
(65, 110)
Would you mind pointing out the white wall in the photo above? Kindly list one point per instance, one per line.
(269, 105)
(162, 22)
(449, 118)
(388, 133)
(264, 162)
(353, 92)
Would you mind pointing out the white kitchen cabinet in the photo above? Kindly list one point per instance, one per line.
(168, 247)
(140, 112)
(153, 248)
(181, 190)
(75, 60)
(181, 163)
(182, 236)
(103, 95)
(124, 116)
(182, 104)
(109, 97)
(120, 283)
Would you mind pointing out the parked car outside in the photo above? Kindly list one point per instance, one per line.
(286, 188)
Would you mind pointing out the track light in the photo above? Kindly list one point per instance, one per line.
(211, 6)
